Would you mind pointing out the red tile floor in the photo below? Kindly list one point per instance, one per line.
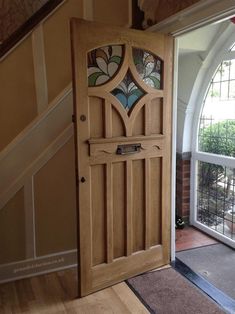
(190, 237)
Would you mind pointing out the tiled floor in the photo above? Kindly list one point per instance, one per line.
(190, 237)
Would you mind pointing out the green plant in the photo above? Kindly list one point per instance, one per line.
(218, 138)
(215, 181)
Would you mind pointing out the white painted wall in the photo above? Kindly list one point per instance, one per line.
(189, 66)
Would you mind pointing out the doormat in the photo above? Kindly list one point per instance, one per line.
(167, 292)
(215, 263)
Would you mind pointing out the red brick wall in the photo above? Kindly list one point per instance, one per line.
(183, 185)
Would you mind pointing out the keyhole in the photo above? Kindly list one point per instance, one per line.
(83, 118)
(83, 179)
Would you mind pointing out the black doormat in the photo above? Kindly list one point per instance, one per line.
(215, 263)
(167, 292)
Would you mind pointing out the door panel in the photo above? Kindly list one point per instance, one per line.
(122, 101)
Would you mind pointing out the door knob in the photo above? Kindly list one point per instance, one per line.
(83, 179)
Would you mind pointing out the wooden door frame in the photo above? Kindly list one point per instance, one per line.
(177, 25)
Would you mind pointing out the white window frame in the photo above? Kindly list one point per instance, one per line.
(202, 13)
(206, 157)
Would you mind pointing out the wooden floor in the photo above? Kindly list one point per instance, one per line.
(190, 237)
(56, 293)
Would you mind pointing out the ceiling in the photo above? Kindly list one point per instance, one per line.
(201, 39)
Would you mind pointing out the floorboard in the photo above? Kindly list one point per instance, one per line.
(56, 293)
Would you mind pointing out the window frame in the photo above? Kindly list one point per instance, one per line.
(198, 155)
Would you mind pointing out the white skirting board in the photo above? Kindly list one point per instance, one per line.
(38, 266)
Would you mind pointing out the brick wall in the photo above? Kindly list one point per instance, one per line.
(183, 185)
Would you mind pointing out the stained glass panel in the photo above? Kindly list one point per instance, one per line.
(149, 67)
(103, 64)
(127, 92)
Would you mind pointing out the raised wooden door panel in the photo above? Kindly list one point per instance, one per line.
(122, 95)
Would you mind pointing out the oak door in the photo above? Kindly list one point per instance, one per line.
(122, 83)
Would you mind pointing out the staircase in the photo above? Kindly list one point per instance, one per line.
(37, 175)
(36, 150)
(20, 162)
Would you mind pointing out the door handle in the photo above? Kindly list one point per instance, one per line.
(128, 149)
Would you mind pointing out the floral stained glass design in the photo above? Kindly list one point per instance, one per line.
(103, 64)
(149, 67)
(127, 92)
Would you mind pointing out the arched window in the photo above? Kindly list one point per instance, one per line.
(214, 203)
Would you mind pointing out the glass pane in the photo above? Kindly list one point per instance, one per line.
(215, 90)
(225, 70)
(149, 67)
(103, 64)
(232, 90)
(127, 92)
(217, 137)
(224, 90)
(217, 122)
(216, 198)
(232, 69)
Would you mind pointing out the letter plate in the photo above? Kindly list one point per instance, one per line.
(128, 149)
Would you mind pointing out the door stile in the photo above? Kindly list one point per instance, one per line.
(166, 182)
(84, 200)
(147, 203)
(129, 208)
(109, 211)
(147, 130)
(165, 234)
(108, 118)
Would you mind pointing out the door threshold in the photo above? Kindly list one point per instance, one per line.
(226, 302)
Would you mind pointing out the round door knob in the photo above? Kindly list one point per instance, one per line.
(83, 179)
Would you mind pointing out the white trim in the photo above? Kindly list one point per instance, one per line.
(215, 234)
(34, 140)
(200, 14)
(193, 191)
(214, 159)
(39, 63)
(174, 129)
(38, 266)
(40, 257)
(37, 164)
(34, 124)
(29, 218)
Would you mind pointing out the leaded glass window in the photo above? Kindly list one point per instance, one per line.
(217, 123)
(216, 178)
(149, 67)
(128, 92)
(103, 64)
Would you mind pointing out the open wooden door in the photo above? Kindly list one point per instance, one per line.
(122, 97)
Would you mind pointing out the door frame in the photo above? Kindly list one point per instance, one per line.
(211, 11)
